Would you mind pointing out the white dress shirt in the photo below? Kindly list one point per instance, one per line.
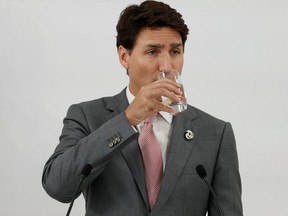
(162, 127)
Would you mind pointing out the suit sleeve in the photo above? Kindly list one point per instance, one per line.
(226, 177)
(79, 146)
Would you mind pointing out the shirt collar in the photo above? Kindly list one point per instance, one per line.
(167, 116)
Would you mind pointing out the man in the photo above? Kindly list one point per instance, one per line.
(106, 134)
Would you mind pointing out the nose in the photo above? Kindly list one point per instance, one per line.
(165, 63)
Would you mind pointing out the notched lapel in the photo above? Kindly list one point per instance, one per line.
(132, 155)
(116, 104)
(178, 153)
(131, 152)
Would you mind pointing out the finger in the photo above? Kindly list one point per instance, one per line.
(169, 85)
(162, 107)
(163, 92)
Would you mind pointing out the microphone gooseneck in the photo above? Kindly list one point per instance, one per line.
(202, 174)
(84, 173)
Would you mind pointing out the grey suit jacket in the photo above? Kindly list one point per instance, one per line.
(98, 132)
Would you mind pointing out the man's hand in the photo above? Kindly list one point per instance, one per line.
(148, 100)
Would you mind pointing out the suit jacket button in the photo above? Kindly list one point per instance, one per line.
(114, 141)
(117, 140)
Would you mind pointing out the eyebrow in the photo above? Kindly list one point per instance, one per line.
(173, 45)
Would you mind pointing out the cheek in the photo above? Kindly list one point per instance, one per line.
(136, 63)
(144, 68)
(178, 65)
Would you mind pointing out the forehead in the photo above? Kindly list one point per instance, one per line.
(163, 37)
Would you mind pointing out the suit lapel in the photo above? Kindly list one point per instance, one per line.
(132, 155)
(117, 104)
(131, 152)
(179, 150)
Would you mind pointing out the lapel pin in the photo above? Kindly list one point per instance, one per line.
(189, 135)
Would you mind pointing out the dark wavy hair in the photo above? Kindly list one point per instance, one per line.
(151, 14)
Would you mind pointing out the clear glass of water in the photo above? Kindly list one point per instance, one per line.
(180, 106)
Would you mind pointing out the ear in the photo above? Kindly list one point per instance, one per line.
(123, 55)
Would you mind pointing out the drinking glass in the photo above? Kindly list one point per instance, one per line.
(180, 106)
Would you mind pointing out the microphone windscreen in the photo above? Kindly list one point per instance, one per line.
(86, 170)
(201, 171)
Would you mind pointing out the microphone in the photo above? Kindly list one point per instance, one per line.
(84, 173)
(202, 173)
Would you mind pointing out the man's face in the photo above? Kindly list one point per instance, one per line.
(155, 50)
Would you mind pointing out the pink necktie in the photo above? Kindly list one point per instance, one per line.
(152, 157)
